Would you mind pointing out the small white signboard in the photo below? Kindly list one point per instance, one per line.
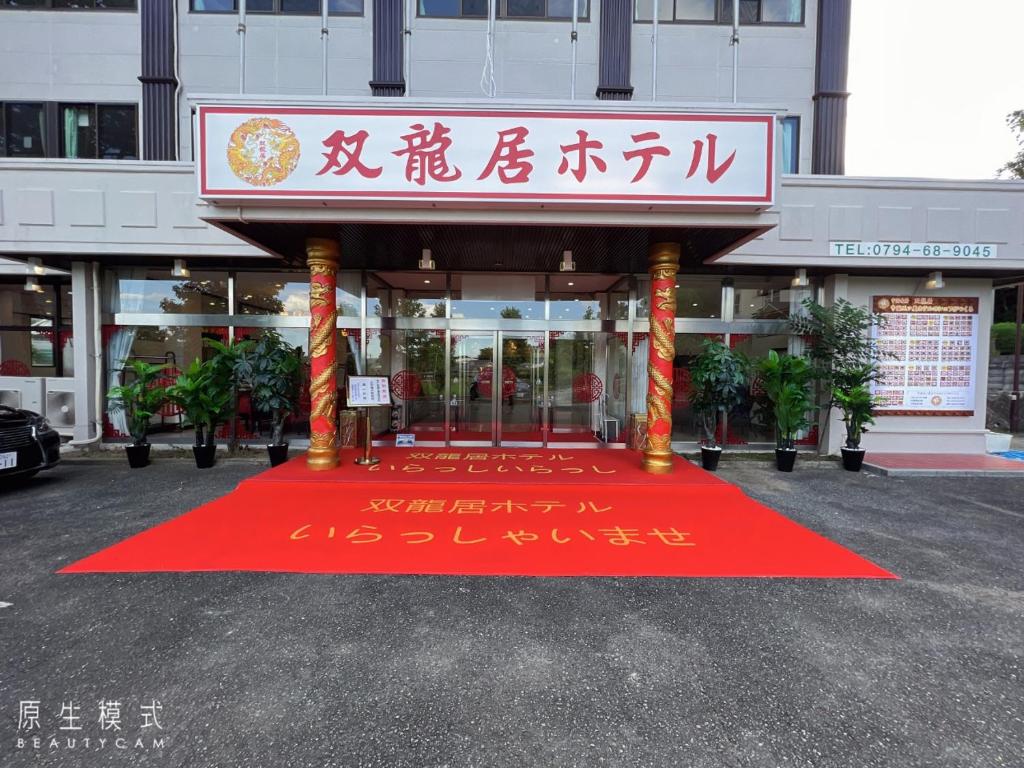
(897, 250)
(405, 441)
(368, 390)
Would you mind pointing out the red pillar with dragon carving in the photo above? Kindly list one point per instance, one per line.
(663, 262)
(322, 257)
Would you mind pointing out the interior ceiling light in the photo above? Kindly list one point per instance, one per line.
(180, 269)
(934, 281)
(567, 265)
(32, 284)
(426, 262)
(799, 279)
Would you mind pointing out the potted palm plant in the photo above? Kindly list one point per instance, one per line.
(858, 408)
(205, 393)
(270, 369)
(139, 399)
(786, 379)
(717, 380)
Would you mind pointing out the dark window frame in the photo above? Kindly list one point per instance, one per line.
(53, 127)
(503, 15)
(794, 119)
(276, 11)
(48, 5)
(722, 20)
(3, 128)
(60, 323)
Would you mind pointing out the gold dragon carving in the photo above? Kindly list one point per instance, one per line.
(321, 333)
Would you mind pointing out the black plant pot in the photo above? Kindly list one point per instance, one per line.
(138, 455)
(785, 458)
(709, 458)
(278, 454)
(853, 459)
(205, 455)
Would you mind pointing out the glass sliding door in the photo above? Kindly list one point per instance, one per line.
(576, 389)
(521, 399)
(471, 403)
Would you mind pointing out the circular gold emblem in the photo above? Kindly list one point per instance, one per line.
(263, 151)
(883, 303)
(936, 400)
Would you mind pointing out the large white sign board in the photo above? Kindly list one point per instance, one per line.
(929, 347)
(485, 156)
(368, 390)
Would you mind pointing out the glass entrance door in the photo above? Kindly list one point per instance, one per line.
(497, 389)
(576, 392)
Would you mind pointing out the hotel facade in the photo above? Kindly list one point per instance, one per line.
(530, 215)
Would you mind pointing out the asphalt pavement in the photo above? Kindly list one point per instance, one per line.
(314, 671)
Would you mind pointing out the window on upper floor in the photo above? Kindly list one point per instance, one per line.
(720, 11)
(24, 125)
(284, 7)
(510, 9)
(96, 5)
(98, 131)
(791, 144)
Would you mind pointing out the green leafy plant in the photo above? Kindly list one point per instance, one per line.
(858, 407)
(205, 391)
(786, 380)
(271, 370)
(839, 341)
(139, 399)
(718, 380)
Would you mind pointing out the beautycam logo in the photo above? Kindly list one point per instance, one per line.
(74, 726)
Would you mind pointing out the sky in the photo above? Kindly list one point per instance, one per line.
(931, 83)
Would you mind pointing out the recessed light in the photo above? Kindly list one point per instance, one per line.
(571, 283)
(694, 304)
(427, 282)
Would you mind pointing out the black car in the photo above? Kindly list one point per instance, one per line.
(27, 443)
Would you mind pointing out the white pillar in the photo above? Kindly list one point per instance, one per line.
(88, 423)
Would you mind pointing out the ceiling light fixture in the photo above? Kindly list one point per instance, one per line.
(567, 265)
(180, 269)
(800, 279)
(426, 260)
(32, 284)
(934, 281)
(36, 265)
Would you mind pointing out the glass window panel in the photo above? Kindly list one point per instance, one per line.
(524, 8)
(575, 306)
(16, 354)
(376, 297)
(74, 4)
(67, 351)
(474, 8)
(213, 6)
(429, 304)
(440, 7)
(78, 130)
(698, 296)
(310, 7)
(24, 132)
(349, 294)
(117, 132)
(153, 291)
(517, 306)
(259, 6)
(686, 425)
(782, 11)
(346, 7)
(41, 342)
(748, 11)
(562, 9)
(25, 3)
(751, 422)
(644, 10)
(17, 305)
(695, 10)
(118, 4)
(67, 310)
(763, 298)
(790, 144)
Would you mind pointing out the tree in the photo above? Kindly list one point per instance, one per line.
(840, 346)
(1015, 168)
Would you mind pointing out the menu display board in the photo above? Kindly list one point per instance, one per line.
(368, 390)
(929, 350)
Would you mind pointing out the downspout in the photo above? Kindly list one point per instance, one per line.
(97, 341)
(573, 39)
(177, 87)
(487, 76)
(654, 51)
(324, 33)
(735, 43)
(241, 46)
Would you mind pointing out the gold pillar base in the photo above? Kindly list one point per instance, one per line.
(319, 459)
(657, 463)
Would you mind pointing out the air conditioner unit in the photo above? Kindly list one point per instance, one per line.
(19, 392)
(60, 405)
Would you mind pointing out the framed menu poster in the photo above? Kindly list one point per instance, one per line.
(929, 353)
(368, 390)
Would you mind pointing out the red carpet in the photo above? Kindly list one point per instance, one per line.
(688, 524)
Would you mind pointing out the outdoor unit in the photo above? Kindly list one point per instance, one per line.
(60, 405)
(19, 392)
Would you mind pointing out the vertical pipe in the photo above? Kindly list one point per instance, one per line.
(573, 38)
(324, 36)
(241, 46)
(1015, 402)
(735, 48)
(654, 50)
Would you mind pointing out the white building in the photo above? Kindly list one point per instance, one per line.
(98, 177)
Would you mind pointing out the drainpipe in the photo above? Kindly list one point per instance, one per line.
(573, 38)
(241, 46)
(735, 43)
(1015, 402)
(654, 51)
(324, 33)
